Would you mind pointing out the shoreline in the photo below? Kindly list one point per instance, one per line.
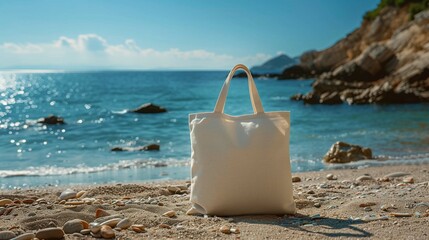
(345, 207)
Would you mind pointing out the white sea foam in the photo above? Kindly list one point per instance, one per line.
(42, 171)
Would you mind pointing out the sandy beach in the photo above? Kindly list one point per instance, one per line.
(376, 202)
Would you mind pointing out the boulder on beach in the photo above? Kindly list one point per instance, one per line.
(342, 152)
(149, 108)
(150, 147)
(51, 119)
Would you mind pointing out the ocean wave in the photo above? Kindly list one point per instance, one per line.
(42, 171)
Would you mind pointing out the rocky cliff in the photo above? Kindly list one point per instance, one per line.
(386, 60)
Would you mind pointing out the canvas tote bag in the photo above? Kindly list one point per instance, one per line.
(240, 164)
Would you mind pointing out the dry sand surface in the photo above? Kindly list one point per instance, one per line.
(350, 204)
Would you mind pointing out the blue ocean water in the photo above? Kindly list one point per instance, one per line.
(94, 105)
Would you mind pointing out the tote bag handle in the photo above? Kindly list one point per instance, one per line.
(253, 92)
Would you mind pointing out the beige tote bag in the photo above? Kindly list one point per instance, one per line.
(240, 164)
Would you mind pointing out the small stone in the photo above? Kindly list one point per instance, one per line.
(173, 189)
(367, 209)
(25, 236)
(80, 194)
(85, 231)
(398, 214)
(386, 207)
(94, 227)
(4, 202)
(235, 230)
(32, 214)
(225, 229)
(163, 225)
(169, 214)
(311, 192)
(138, 228)
(74, 203)
(101, 213)
(67, 194)
(317, 205)
(111, 222)
(52, 225)
(28, 201)
(124, 223)
(120, 203)
(367, 204)
(408, 180)
(50, 233)
(396, 174)
(74, 226)
(296, 179)
(331, 177)
(364, 178)
(6, 235)
(107, 232)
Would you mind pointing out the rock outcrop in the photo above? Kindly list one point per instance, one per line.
(342, 152)
(149, 108)
(386, 60)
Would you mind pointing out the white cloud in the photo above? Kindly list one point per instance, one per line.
(93, 51)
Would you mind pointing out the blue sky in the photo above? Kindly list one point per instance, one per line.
(162, 34)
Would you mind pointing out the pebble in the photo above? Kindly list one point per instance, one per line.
(120, 203)
(173, 189)
(111, 222)
(225, 229)
(75, 226)
(4, 202)
(235, 230)
(31, 214)
(28, 201)
(169, 214)
(163, 225)
(107, 232)
(311, 192)
(50, 233)
(124, 223)
(138, 228)
(94, 227)
(367, 204)
(367, 209)
(25, 236)
(374, 218)
(6, 235)
(408, 180)
(331, 177)
(386, 207)
(317, 205)
(101, 213)
(80, 194)
(296, 179)
(67, 194)
(364, 178)
(85, 231)
(396, 174)
(398, 214)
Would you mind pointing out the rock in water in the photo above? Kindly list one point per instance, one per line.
(342, 152)
(51, 119)
(150, 147)
(50, 233)
(149, 108)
